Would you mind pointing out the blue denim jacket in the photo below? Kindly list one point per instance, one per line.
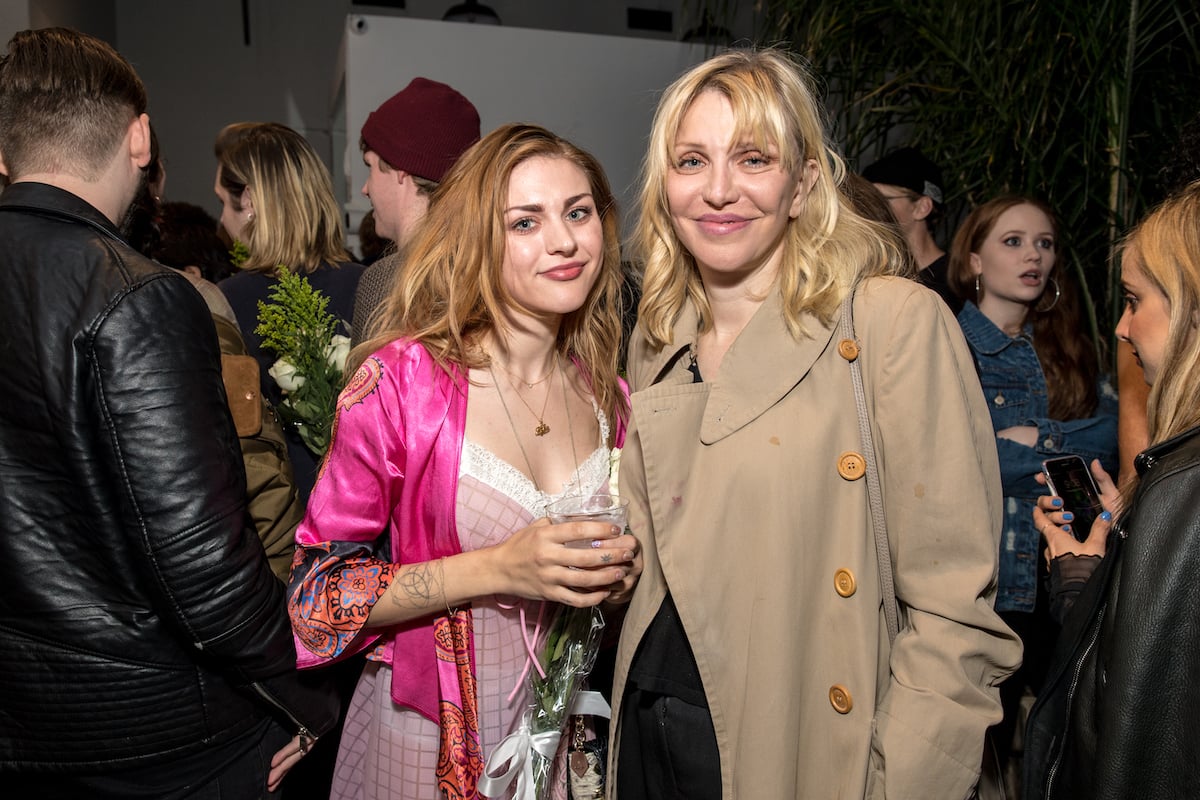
(1015, 389)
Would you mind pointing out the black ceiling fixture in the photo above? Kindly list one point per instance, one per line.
(471, 11)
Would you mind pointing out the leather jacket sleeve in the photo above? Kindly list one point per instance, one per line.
(180, 481)
(1146, 697)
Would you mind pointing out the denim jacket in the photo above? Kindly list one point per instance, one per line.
(1015, 389)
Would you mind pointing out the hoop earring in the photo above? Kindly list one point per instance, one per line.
(1054, 302)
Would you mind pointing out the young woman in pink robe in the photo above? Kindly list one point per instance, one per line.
(487, 388)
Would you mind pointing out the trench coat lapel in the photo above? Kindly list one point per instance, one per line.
(758, 371)
(762, 365)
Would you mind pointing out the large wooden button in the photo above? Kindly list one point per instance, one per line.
(851, 466)
(840, 699)
(848, 349)
(843, 582)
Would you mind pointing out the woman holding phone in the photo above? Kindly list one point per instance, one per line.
(1117, 717)
(1047, 397)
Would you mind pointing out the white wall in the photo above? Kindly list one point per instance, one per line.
(91, 16)
(597, 91)
(14, 16)
(201, 74)
(97, 17)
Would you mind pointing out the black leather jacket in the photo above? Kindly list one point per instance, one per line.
(1119, 713)
(139, 619)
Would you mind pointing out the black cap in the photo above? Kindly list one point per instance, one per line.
(910, 169)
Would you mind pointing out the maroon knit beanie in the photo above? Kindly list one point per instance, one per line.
(422, 129)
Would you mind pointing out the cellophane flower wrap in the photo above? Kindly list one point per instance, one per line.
(567, 659)
(297, 326)
(524, 760)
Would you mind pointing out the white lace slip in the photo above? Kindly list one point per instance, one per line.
(488, 468)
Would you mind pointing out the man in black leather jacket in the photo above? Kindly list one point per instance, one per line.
(145, 649)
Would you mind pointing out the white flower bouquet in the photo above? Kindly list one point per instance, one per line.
(297, 326)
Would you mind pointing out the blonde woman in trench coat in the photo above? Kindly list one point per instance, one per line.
(754, 661)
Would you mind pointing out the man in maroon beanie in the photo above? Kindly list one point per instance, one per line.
(408, 144)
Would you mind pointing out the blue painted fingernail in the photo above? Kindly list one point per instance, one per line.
(1067, 528)
(1106, 516)
(1068, 516)
(1056, 502)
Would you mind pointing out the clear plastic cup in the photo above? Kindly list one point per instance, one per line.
(593, 508)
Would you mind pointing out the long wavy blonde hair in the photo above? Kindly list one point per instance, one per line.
(828, 248)
(1166, 247)
(297, 223)
(449, 292)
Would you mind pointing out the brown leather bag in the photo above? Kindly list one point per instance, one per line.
(272, 500)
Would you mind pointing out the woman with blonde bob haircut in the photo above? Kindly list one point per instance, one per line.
(277, 201)
(755, 658)
(272, 176)
(487, 391)
(1128, 594)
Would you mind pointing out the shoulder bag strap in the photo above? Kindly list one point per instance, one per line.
(991, 784)
(887, 587)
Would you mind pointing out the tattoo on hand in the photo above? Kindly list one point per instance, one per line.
(607, 557)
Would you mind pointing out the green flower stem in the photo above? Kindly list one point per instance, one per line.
(297, 326)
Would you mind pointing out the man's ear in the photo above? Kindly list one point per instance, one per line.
(922, 207)
(139, 140)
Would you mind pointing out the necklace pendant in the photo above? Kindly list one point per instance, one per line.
(542, 429)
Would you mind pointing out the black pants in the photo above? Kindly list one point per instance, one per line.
(668, 750)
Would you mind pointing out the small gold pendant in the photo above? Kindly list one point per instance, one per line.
(542, 429)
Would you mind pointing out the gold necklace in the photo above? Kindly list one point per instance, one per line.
(517, 436)
(542, 428)
(529, 385)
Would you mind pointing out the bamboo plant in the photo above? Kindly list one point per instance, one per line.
(1075, 101)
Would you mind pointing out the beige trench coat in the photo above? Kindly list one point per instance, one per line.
(768, 551)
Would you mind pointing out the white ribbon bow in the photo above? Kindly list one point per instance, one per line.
(516, 751)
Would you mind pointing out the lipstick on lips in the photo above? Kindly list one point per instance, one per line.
(719, 224)
(565, 272)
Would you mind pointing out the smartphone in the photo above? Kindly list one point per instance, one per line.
(1069, 478)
